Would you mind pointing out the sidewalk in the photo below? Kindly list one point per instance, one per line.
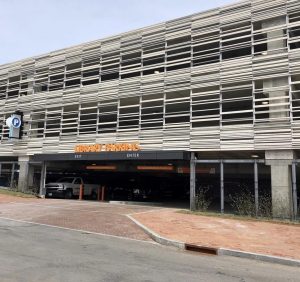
(273, 239)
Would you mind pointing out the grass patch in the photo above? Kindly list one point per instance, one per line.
(16, 193)
(244, 218)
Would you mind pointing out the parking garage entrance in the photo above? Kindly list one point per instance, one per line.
(158, 177)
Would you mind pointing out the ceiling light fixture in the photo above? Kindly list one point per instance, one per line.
(101, 167)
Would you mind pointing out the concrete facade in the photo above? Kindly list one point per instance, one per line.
(224, 81)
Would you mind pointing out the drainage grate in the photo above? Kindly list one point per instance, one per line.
(201, 249)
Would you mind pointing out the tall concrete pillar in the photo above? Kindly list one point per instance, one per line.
(281, 181)
(25, 174)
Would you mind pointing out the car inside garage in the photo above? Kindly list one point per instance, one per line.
(164, 182)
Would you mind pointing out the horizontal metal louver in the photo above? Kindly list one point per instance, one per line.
(225, 79)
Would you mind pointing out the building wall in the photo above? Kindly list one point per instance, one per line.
(225, 79)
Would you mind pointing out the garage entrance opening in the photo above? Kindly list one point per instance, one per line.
(159, 182)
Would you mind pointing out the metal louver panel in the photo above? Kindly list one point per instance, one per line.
(222, 80)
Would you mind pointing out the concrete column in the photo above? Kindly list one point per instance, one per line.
(281, 181)
(280, 161)
(25, 173)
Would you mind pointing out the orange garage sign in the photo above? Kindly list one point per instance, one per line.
(115, 147)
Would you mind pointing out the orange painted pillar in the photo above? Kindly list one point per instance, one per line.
(102, 193)
(81, 192)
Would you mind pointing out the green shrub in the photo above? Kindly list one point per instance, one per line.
(243, 203)
(202, 202)
(265, 206)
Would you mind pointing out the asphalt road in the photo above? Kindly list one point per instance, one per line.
(30, 252)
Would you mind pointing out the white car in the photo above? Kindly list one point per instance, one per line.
(69, 187)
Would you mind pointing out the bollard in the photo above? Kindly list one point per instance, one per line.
(81, 192)
(102, 193)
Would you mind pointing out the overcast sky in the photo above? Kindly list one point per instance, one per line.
(35, 27)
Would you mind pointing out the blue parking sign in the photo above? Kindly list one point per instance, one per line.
(16, 122)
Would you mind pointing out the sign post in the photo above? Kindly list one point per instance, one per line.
(14, 123)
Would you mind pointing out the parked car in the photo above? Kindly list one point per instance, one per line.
(120, 193)
(145, 194)
(68, 187)
(133, 193)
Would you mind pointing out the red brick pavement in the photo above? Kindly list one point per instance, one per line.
(88, 216)
(250, 236)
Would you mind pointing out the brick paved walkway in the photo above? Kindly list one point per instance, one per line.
(88, 216)
(250, 236)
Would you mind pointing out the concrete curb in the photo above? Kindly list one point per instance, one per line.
(260, 257)
(154, 204)
(157, 238)
(218, 251)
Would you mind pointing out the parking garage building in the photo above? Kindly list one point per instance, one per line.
(207, 103)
